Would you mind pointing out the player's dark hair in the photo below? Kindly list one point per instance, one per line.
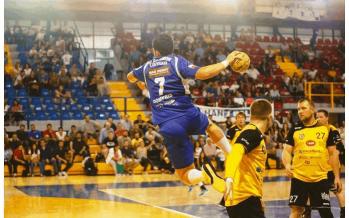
(325, 112)
(261, 109)
(163, 43)
(311, 103)
(241, 114)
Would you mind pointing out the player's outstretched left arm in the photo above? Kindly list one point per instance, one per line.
(334, 162)
(132, 79)
(213, 70)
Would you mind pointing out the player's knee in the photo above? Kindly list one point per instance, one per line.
(183, 175)
(296, 211)
(214, 132)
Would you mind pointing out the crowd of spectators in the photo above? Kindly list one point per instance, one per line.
(230, 89)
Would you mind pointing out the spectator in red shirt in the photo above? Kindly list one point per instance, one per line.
(119, 130)
(20, 158)
(49, 131)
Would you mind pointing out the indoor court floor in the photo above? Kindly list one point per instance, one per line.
(157, 195)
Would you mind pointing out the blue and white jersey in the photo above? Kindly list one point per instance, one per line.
(164, 79)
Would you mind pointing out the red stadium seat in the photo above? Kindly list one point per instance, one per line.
(266, 39)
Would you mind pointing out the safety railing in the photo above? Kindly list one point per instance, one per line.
(321, 91)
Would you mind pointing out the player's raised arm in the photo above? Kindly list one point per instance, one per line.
(213, 70)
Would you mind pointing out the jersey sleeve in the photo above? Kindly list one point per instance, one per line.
(289, 140)
(250, 139)
(186, 69)
(138, 73)
(333, 137)
(231, 133)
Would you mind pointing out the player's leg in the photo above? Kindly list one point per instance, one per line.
(320, 198)
(298, 198)
(339, 195)
(218, 137)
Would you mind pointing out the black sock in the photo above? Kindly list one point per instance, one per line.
(342, 212)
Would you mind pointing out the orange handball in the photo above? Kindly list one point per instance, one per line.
(241, 62)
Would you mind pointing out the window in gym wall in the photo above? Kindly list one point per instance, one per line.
(305, 35)
(85, 28)
(103, 41)
(88, 41)
(264, 31)
(103, 28)
(245, 29)
(286, 32)
(327, 33)
(337, 34)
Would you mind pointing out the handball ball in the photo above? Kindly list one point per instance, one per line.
(241, 62)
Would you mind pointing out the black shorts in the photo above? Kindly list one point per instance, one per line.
(330, 181)
(316, 192)
(249, 208)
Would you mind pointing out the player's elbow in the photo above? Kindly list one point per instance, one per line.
(131, 78)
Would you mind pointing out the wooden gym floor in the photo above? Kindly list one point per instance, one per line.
(157, 195)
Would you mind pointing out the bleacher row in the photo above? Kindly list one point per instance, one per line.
(45, 108)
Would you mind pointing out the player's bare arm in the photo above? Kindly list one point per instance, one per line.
(287, 158)
(132, 79)
(334, 162)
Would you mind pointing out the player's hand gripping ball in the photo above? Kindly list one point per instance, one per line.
(239, 61)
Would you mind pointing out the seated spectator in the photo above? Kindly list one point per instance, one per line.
(66, 59)
(140, 122)
(91, 140)
(14, 142)
(122, 139)
(119, 160)
(20, 158)
(34, 135)
(112, 124)
(17, 112)
(63, 157)
(33, 85)
(104, 132)
(141, 153)
(274, 92)
(61, 93)
(8, 153)
(136, 130)
(49, 131)
(136, 141)
(89, 126)
(34, 157)
(22, 134)
(126, 122)
(47, 157)
(27, 70)
(166, 165)
(19, 80)
(73, 131)
(154, 155)
(119, 130)
(152, 133)
(129, 155)
(60, 134)
(102, 86)
(64, 78)
(79, 146)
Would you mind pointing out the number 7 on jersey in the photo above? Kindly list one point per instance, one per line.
(161, 82)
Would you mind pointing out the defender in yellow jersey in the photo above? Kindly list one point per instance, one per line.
(245, 165)
(240, 122)
(322, 117)
(313, 146)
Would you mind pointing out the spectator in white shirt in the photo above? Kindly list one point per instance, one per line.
(210, 149)
(274, 92)
(61, 134)
(66, 58)
(252, 72)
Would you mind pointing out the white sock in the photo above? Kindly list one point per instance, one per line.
(200, 183)
(224, 145)
(195, 176)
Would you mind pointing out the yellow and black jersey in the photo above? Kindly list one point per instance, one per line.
(310, 154)
(337, 140)
(248, 179)
(232, 131)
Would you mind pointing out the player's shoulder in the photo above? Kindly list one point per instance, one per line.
(251, 131)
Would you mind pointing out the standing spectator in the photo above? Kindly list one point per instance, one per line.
(112, 124)
(139, 121)
(61, 156)
(8, 158)
(197, 155)
(20, 158)
(49, 131)
(89, 126)
(108, 70)
(34, 155)
(108, 148)
(136, 141)
(60, 134)
(102, 86)
(210, 149)
(47, 157)
(34, 135)
(66, 58)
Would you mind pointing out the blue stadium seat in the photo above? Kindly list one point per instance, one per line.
(38, 109)
(50, 107)
(66, 116)
(101, 116)
(98, 108)
(86, 107)
(109, 107)
(48, 101)
(22, 93)
(23, 101)
(10, 101)
(54, 116)
(74, 108)
(36, 101)
(82, 100)
(77, 116)
(45, 92)
(90, 114)
(114, 115)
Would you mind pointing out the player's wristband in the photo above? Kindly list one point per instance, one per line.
(225, 63)
(230, 180)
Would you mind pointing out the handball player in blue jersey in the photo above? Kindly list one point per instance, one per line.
(174, 112)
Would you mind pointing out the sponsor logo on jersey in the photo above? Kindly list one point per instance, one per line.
(159, 72)
(310, 143)
(301, 136)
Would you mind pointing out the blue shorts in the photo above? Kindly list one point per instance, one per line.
(176, 134)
